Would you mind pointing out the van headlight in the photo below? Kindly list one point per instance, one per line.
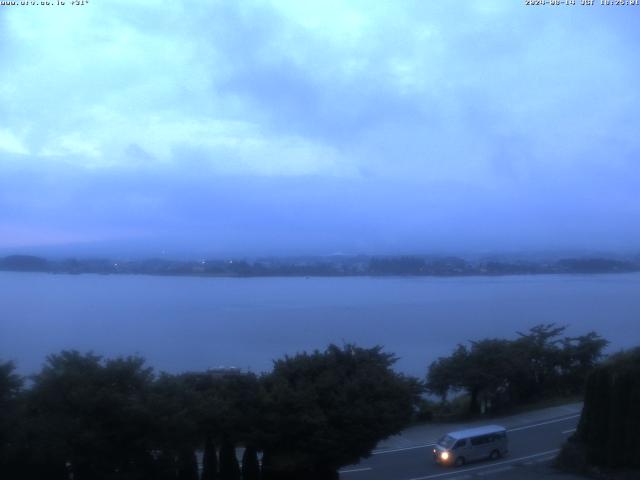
(444, 455)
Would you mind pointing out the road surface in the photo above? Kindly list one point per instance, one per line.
(530, 447)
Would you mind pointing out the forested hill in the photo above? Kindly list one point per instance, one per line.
(332, 266)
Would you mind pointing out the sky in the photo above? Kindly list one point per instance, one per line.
(284, 127)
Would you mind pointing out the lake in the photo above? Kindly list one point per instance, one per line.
(189, 323)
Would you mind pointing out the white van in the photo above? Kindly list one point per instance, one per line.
(458, 448)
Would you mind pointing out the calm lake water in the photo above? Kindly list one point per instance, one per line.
(181, 323)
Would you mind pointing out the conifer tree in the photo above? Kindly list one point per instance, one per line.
(250, 465)
(187, 465)
(229, 468)
(610, 421)
(209, 460)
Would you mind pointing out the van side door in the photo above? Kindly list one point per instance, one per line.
(481, 447)
(460, 449)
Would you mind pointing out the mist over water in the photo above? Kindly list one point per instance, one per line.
(186, 323)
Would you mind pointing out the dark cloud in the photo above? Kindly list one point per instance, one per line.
(271, 127)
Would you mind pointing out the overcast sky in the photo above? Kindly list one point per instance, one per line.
(218, 128)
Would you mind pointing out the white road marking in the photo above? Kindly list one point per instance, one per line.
(495, 470)
(354, 470)
(546, 459)
(543, 423)
(504, 462)
(393, 450)
(569, 431)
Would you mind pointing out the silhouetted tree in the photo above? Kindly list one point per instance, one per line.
(187, 464)
(98, 419)
(328, 409)
(250, 465)
(496, 372)
(176, 432)
(165, 466)
(483, 371)
(228, 407)
(579, 355)
(89, 417)
(10, 420)
(229, 468)
(447, 373)
(540, 350)
(487, 375)
(209, 460)
(610, 421)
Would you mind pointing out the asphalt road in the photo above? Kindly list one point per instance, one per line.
(530, 446)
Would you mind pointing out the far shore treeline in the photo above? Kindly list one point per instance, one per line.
(328, 266)
(91, 418)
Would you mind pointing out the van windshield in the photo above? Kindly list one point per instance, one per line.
(446, 441)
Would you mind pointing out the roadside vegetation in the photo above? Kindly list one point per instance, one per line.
(494, 375)
(89, 418)
(606, 443)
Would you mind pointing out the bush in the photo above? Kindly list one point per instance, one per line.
(611, 415)
(572, 457)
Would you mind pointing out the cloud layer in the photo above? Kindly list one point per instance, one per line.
(319, 126)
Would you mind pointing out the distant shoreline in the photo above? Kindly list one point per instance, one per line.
(331, 267)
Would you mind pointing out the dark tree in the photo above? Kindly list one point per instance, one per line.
(250, 465)
(228, 409)
(579, 356)
(10, 421)
(443, 375)
(610, 421)
(483, 371)
(90, 416)
(487, 374)
(229, 468)
(329, 409)
(209, 460)
(187, 465)
(497, 373)
(176, 433)
(540, 350)
(165, 466)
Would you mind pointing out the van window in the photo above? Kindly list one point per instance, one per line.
(481, 440)
(446, 441)
(496, 437)
(460, 443)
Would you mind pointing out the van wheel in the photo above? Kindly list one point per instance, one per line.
(494, 455)
(459, 462)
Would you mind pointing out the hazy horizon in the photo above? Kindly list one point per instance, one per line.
(134, 251)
